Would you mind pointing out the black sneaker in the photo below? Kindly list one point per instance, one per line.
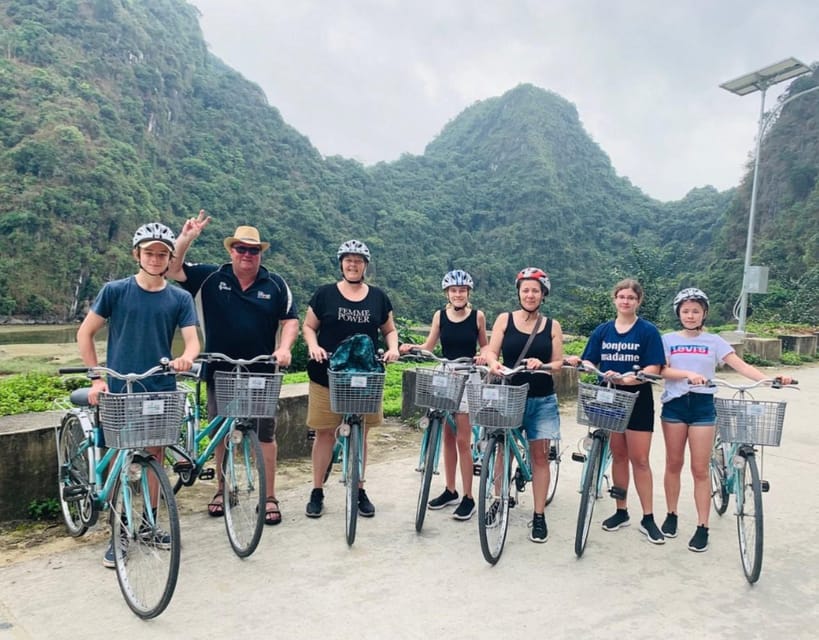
(444, 500)
(160, 538)
(619, 519)
(365, 507)
(539, 532)
(649, 528)
(699, 542)
(669, 527)
(465, 509)
(109, 557)
(316, 505)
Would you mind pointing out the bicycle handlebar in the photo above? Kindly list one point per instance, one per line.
(162, 368)
(773, 383)
(264, 358)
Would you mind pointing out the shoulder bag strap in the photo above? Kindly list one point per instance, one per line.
(528, 344)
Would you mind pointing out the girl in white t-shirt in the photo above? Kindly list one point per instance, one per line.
(688, 413)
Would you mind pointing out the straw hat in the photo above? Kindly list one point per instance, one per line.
(246, 235)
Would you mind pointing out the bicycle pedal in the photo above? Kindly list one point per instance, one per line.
(476, 469)
(182, 466)
(765, 485)
(552, 453)
(578, 457)
(617, 493)
(207, 474)
(74, 494)
(512, 502)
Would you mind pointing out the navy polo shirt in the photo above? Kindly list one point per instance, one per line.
(240, 324)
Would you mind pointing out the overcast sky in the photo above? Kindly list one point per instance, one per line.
(372, 79)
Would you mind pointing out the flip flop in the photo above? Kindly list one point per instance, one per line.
(272, 516)
(216, 509)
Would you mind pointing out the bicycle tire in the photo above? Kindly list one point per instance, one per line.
(493, 506)
(718, 472)
(554, 475)
(431, 442)
(245, 489)
(588, 495)
(79, 511)
(146, 554)
(352, 462)
(749, 518)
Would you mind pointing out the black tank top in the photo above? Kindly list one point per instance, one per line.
(541, 348)
(459, 339)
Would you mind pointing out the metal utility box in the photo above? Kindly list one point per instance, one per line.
(756, 280)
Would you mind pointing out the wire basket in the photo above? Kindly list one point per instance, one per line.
(497, 405)
(750, 421)
(138, 420)
(437, 389)
(604, 407)
(356, 391)
(244, 394)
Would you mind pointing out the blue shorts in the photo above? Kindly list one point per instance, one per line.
(541, 420)
(693, 409)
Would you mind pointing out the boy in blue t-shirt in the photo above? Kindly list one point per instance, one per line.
(142, 313)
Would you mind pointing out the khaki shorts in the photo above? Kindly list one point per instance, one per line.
(319, 415)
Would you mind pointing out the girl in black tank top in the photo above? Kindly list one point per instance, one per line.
(461, 331)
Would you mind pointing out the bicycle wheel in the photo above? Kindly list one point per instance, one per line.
(432, 442)
(493, 498)
(588, 495)
(719, 490)
(145, 532)
(554, 473)
(245, 489)
(352, 462)
(76, 501)
(749, 517)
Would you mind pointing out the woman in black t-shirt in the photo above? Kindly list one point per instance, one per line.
(335, 312)
(460, 328)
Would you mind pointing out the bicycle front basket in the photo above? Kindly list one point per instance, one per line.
(138, 420)
(244, 394)
(497, 405)
(437, 389)
(356, 392)
(604, 407)
(750, 421)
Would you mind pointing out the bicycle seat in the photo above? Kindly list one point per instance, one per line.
(79, 397)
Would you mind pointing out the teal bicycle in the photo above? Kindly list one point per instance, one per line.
(439, 390)
(241, 396)
(353, 394)
(126, 478)
(604, 410)
(498, 409)
(743, 424)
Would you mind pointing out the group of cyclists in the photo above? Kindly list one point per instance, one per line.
(244, 307)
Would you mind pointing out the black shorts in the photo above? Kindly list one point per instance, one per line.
(265, 427)
(642, 417)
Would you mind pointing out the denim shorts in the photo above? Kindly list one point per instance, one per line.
(693, 409)
(541, 420)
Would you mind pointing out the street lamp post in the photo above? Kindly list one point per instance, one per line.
(760, 81)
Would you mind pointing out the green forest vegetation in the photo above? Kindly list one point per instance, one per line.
(113, 113)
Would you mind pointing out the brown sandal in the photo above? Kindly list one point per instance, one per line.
(217, 509)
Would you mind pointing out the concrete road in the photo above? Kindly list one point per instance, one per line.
(304, 582)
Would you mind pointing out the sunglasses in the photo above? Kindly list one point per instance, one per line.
(254, 251)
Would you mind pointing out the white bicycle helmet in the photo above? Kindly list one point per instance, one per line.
(533, 273)
(691, 293)
(457, 278)
(355, 248)
(154, 232)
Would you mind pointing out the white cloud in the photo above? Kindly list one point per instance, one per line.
(371, 79)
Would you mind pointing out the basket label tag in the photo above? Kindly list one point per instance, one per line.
(153, 407)
(440, 381)
(256, 383)
(490, 393)
(359, 382)
(754, 410)
(605, 395)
